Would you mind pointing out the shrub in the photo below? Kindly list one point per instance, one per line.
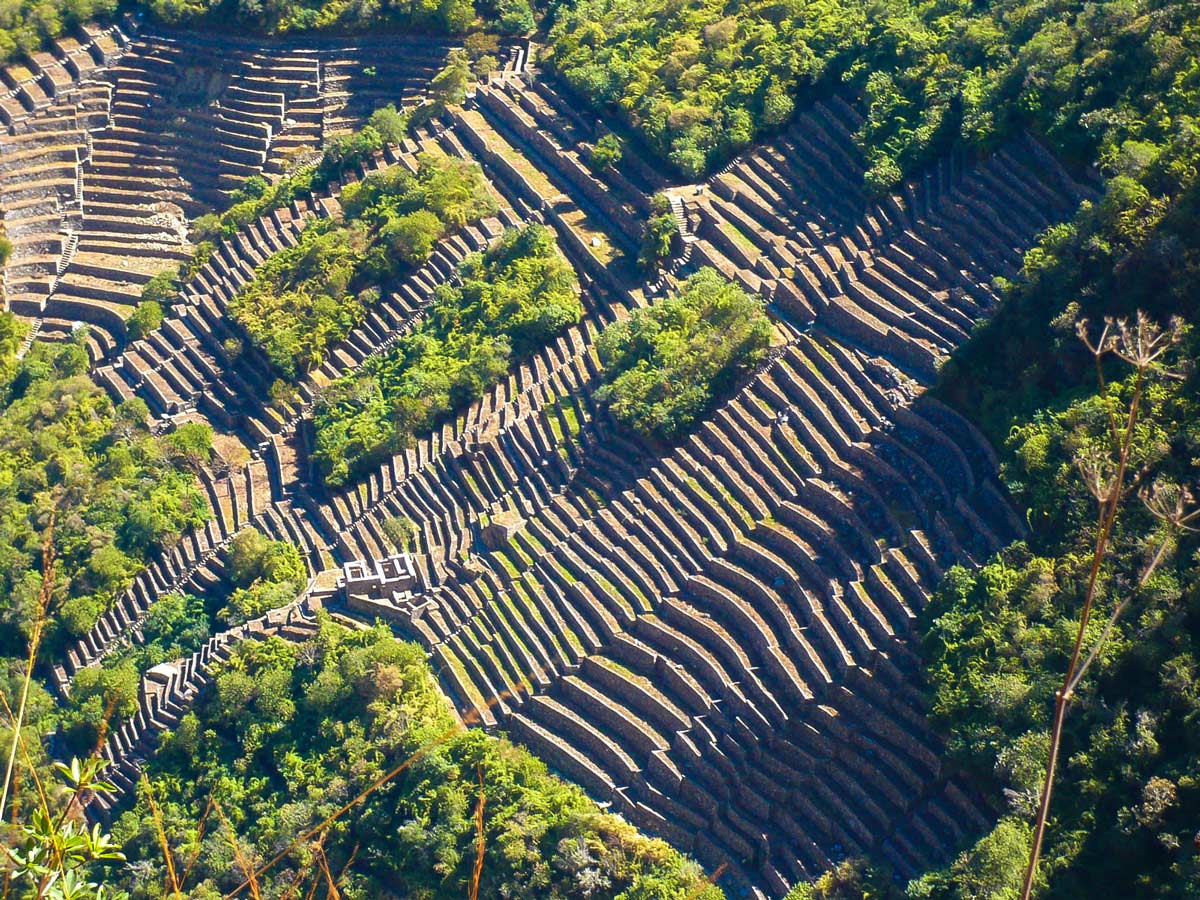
(606, 152)
(391, 125)
(512, 300)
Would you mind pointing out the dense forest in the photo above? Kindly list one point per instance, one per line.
(510, 301)
(26, 24)
(700, 81)
(292, 737)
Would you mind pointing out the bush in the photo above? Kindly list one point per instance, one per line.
(391, 125)
(255, 557)
(606, 152)
(306, 298)
(120, 496)
(516, 17)
(658, 240)
(289, 734)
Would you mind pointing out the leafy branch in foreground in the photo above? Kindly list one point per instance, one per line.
(57, 852)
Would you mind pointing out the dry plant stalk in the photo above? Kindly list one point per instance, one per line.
(468, 720)
(35, 639)
(239, 855)
(708, 882)
(477, 872)
(1106, 476)
(164, 845)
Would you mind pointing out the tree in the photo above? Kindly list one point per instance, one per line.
(348, 741)
(516, 17)
(12, 334)
(255, 557)
(162, 289)
(411, 237)
(659, 237)
(401, 531)
(146, 319)
(391, 125)
(449, 86)
(665, 364)
(192, 443)
(778, 106)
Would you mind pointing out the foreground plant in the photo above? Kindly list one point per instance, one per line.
(1111, 475)
(57, 852)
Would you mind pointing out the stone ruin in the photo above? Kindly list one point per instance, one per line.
(384, 586)
(715, 640)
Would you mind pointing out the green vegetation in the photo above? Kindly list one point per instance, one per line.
(262, 574)
(76, 468)
(664, 366)
(701, 80)
(306, 298)
(292, 16)
(1000, 638)
(146, 319)
(291, 734)
(344, 153)
(104, 696)
(659, 237)
(449, 86)
(512, 300)
(300, 302)
(12, 335)
(266, 575)
(606, 152)
(52, 854)
(25, 25)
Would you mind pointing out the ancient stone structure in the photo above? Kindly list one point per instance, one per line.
(383, 586)
(117, 136)
(715, 641)
(501, 529)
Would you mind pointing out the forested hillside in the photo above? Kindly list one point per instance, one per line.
(291, 734)
(25, 24)
(84, 488)
(328, 762)
(700, 81)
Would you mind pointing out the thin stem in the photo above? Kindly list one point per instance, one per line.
(477, 872)
(467, 721)
(1116, 614)
(164, 844)
(35, 640)
(1108, 517)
